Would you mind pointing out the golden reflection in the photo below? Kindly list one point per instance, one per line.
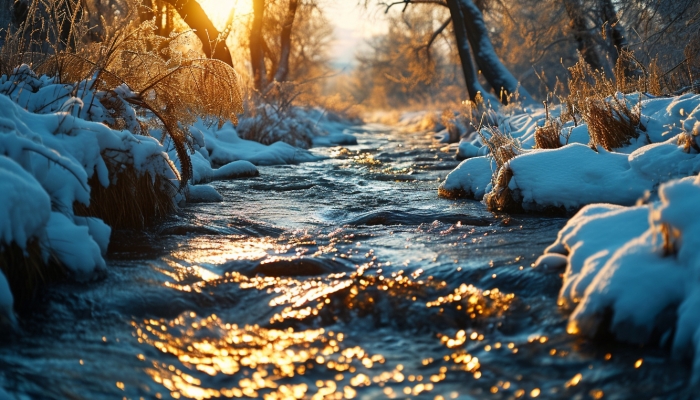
(206, 250)
(260, 362)
(475, 301)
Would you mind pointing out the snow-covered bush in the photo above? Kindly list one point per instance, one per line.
(273, 117)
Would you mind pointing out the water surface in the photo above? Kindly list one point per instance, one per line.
(345, 278)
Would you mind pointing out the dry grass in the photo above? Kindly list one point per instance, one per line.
(500, 198)
(670, 237)
(600, 101)
(26, 271)
(612, 124)
(687, 140)
(549, 135)
(503, 148)
(131, 201)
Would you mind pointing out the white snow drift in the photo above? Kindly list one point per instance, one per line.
(575, 175)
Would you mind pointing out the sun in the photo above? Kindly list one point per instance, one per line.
(219, 10)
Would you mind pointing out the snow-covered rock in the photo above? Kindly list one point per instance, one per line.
(203, 194)
(471, 179)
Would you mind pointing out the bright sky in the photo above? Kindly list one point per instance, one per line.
(352, 23)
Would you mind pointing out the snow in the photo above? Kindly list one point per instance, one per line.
(236, 170)
(466, 150)
(225, 146)
(73, 245)
(471, 178)
(618, 262)
(51, 144)
(24, 206)
(203, 194)
(574, 175)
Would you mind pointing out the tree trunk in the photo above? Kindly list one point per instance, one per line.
(584, 38)
(470, 76)
(286, 42)
(257, 57)
(497, 75)
(613, 28)
(194, 16)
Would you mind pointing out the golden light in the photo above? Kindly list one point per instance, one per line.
(219, 10)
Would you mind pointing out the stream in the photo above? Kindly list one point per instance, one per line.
(343, 278)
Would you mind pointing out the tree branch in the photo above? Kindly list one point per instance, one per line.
(407, 2)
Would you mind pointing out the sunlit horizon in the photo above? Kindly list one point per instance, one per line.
(352, 25)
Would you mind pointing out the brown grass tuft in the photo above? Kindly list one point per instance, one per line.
(612, 124)
(503, 147)
(549, 135)
(25, 270)
(131, 201)
(670, 237)
(687, 140)
(500, 198)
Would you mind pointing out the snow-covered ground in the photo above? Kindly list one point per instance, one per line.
(635, 270)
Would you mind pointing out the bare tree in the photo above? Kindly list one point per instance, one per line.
(286, 42)
(472, 39)
(256, 43)
(471, 78)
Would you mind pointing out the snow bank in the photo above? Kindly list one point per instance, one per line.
(572, 176)
(637, 268)
(24, 206)
(297, 126)
(203, 194)
(53, 140)
(225, 146)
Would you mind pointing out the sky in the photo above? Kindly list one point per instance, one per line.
(353, 25)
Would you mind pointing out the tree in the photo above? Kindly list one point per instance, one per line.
(496, 74)
(286, 42)
(469, 26)
(471, 78)
(213, 44)
(256, 43)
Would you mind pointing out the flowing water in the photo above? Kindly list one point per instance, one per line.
(344, 278)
